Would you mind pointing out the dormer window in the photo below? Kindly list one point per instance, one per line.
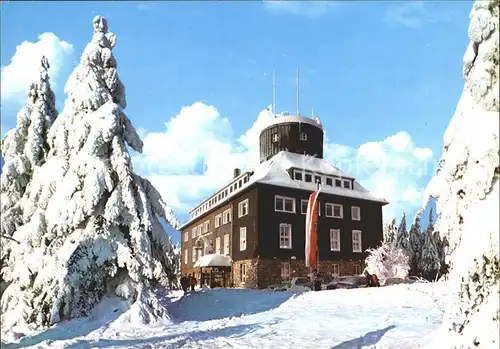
(303, 136)
(297, 175)
(308, 178)
(317, 179)
(347, 184)
(329, 181)
(276, 138)
(338, 183)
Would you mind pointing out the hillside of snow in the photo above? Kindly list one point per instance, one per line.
(401, 316)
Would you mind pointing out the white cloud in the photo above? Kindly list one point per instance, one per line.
(299, 8)
(197, 152)
(409, 13)
(24, 65)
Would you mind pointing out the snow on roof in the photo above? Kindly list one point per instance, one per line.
(213, 260)
(275, 172)
(279, 119)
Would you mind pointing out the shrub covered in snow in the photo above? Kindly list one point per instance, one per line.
(466, 187)
(89, 224)
(387, 261)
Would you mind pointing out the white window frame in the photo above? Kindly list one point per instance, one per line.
(357, 269)
(302, 206)
(193, 232)
(275, 138)
(206, 227)
(285, 270)
(226, 216)
(243, 238)
(217, 245)
(303, 136)
(218, 220)
(285, 235)
(336, 270)
(295, 173)
(186, 236)
(334, 237)
(284, 198)
(346, 181)
(186, 257)
(226, 244)
(193, 258)
(356, 217)
(332, 206)
(330, 178)
(359, 240)
(243, 208)
(200, 229)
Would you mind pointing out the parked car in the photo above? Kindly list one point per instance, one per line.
(346, 282)
(296, 283)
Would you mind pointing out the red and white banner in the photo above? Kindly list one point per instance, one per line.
(312, 217)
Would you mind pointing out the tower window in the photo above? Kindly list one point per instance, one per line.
(308, 178)
(303, 136)
(276, 137)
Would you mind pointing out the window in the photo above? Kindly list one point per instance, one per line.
(206, 227)
(193, 233)
(333, 210)
(347, 184)
(303, 136)
(329, 181)
(334, 239)
(226, 244)
(335, 270)
(284, 204)
(226, 217)
(243, 208)
(217, 245)
(317, 179)
(357, 269)
(200, 229)
(186, 256)
(338, 183)
(303, 206)
(186, 236)
(243, 273)
(356, 241)
(243, 238)
(297, 175)
(194, 255)
(218, 220)
(285, 236)
(355, 213)
(308, 178)
(276, 137)
(285, 270)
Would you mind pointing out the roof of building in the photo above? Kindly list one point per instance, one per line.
(275, 172)
(279, 119)
(213, 260)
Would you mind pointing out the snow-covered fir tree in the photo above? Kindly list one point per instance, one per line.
(390, 231)
(415, 244)
(402, 240)
(466, 188)
(24, 148)
(429, 264)
(92, 225)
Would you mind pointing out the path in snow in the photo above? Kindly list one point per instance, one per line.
(388, 317)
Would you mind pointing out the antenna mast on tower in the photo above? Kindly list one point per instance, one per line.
(298, 88)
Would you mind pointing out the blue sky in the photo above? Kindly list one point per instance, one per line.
(371, 70)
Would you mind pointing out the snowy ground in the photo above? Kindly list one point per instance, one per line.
(402, 316)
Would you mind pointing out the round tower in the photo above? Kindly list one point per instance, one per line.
(295, 134)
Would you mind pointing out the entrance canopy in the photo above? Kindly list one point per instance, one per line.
(213, 260)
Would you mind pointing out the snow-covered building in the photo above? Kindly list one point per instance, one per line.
(257, 220)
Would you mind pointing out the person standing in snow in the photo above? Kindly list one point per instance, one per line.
(192, 282)
(317, 282)
(184, 283)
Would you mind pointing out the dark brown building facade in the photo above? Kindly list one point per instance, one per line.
(258, 219)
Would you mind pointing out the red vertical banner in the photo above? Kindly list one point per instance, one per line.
(312, 217)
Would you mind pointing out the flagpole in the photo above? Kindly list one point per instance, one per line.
(317, 231)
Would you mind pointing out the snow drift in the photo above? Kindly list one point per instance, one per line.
(90, 225)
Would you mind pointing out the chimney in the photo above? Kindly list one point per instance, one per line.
(236, 172)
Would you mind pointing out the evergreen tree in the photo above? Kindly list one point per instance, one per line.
(415, 244)
(429, 264)
(24, 148)
(91, 225)
(402, 240)
(390, 231)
